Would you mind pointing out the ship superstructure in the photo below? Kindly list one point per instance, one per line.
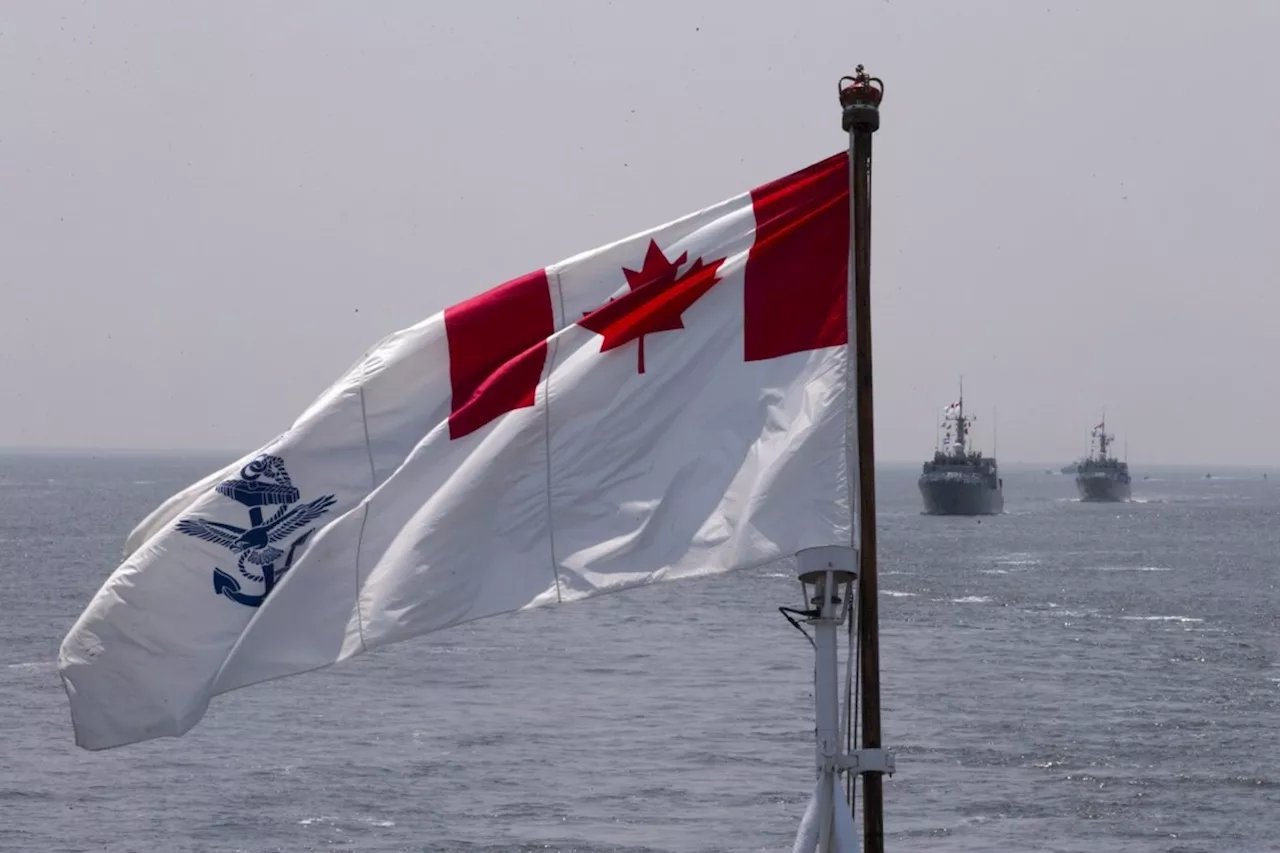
(960, 480)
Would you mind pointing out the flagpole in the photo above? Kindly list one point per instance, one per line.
(860, 100)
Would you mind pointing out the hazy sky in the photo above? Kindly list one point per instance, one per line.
(208, 211)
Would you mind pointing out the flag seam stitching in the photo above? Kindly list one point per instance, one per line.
(364, 514)
(553, 279)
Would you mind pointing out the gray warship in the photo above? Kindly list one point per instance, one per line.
(1102, 477)
(960, 481)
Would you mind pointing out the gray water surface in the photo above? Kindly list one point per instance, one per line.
(1065, 677)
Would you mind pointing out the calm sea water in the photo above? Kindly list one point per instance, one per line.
(1065, 677)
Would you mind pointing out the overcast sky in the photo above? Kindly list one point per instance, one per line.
(209, 211)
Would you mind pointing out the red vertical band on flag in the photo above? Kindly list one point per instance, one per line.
(797, 272)
(497, 350)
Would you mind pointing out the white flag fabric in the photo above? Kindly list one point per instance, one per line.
(674, 404)
(827, 812)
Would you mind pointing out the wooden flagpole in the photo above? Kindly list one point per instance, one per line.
(860, 98)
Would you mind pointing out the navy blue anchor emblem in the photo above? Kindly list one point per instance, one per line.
(263, 482)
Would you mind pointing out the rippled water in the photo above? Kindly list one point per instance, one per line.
(1065, 677)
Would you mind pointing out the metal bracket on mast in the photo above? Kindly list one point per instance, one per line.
(868, 761)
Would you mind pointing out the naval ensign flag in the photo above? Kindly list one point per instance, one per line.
(671, 405)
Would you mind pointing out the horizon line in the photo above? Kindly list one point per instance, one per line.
(76, 450)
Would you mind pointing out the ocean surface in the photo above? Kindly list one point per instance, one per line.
(1065, 677)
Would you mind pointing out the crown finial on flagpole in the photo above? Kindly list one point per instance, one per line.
(861, 101)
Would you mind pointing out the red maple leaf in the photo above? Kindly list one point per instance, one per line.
(657, 298)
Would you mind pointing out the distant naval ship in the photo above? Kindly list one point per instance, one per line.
(1102, 477)
(958, 481)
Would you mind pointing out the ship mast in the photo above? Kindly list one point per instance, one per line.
(1104, 440)
(860, 97)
